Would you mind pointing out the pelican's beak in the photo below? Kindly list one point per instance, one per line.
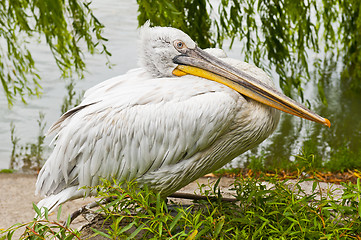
(199, 63)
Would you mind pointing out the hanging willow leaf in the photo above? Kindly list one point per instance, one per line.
(68, 27)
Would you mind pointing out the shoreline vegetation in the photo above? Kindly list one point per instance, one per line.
(281, 207)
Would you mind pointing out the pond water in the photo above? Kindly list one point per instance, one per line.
(120, 19)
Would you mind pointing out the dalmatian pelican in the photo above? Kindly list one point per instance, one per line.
(184, 113)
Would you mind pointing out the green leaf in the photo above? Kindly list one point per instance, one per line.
(59, 212)
(175, 220)
(101, 233)
(37, 210)
(158, 204)
(314, 185)
(348, 196)
(135, 233)
(126, 228)
(219, 226)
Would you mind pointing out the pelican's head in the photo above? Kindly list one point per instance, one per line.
(157, 49)
(170, 52)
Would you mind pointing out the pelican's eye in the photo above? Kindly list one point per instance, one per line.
(179, 45)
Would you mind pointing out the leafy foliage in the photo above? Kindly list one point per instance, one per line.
(67, 27)
(42, 228)
(189, 16)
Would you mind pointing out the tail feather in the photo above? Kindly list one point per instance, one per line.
(53, 201)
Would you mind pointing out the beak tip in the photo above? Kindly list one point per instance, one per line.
(327, 123)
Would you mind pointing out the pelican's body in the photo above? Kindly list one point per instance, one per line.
(152, 126)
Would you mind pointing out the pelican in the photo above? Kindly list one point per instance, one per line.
(184, 113)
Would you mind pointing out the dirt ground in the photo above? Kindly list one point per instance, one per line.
(17, 196)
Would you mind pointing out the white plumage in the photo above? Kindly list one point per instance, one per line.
(162, 130)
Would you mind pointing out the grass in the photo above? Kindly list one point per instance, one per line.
(279, 212)
(7, 170)
(28, 156)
